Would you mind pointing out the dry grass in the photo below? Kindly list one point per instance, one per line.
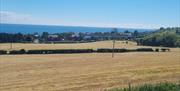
(86, 72)
(93, 45)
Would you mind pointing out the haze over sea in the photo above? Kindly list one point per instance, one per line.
(22, 28)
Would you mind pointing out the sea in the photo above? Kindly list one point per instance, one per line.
(26, 29)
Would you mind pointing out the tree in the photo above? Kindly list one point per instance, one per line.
(127, 31)
(45, 35)
(136, 33)
(81, 36)
(177, 43)
(28, 38)
(168, 38)
(162, 28)
(178, 31)
(114, 31)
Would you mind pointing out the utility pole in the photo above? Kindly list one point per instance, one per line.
(11, 46)
(114, 34)
(113, 47)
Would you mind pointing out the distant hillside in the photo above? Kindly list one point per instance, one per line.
(169, 37)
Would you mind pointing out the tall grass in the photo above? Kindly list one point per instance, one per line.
(156, 87)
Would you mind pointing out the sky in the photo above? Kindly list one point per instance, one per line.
(92, 13)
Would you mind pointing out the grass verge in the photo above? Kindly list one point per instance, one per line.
(152, 87)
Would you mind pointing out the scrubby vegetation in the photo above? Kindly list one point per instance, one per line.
(3, 52)
(59, 51)
(103, 50)
(144, 50)
(149, 87)
(71, 51)
(22, 51)
(125, 50)
(169, 37)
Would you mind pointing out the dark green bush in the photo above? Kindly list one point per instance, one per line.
(105, 50)
(120, 50)
(155, 87)
(144, 50)
(157, 50)
(22, 51)
(70, 51)
(3, 52)
(39, 52)
(165, 49)
(73, 51)
(60, 51)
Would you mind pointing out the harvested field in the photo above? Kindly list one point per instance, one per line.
(92, 45)
(86, 72)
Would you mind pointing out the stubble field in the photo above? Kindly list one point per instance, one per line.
(85, 72)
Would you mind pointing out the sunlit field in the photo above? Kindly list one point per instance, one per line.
(85, 72)
(92, 45)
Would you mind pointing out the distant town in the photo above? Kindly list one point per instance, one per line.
(46, 37)
(168, 37)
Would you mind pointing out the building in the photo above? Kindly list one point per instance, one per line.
(54, 37)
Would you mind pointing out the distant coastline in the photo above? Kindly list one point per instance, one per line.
(27, 28)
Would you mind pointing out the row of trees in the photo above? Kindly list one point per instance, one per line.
(169, 37)
(6, 37)
(67, 36)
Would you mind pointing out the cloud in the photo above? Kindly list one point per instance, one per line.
(12, 17)
(122, 25)
(18, 18)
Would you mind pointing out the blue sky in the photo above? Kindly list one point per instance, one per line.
(95, 13)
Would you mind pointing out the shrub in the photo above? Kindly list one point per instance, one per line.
(60, 51)
(3, 52)
(131, 50)
(73, 51)
(120, 50)
(111, 50)
(38, 51)
(157, 50)
(22, 51)
(156, 87)
(125, 50)
(165, 49)
(105, 50)
(144, 50)
(168, 49)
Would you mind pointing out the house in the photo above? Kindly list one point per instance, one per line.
(54, 37)
(36, 41)
(108, 36)
(87, 37)
(75, 35)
